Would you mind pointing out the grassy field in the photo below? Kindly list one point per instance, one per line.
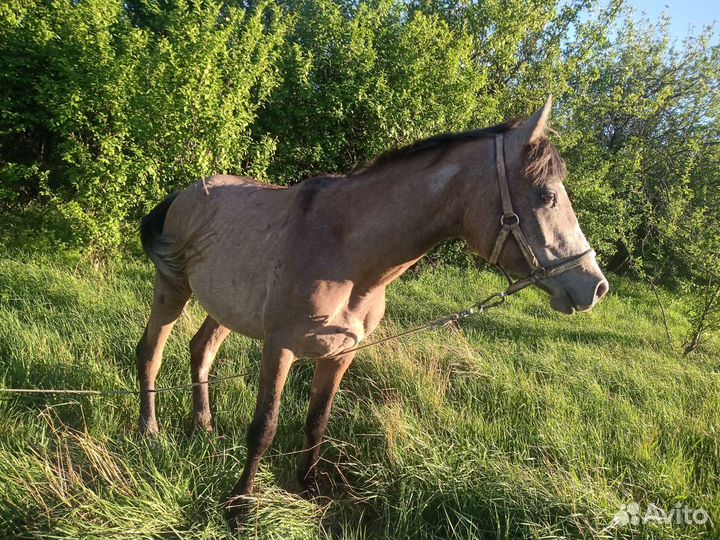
(521, 424)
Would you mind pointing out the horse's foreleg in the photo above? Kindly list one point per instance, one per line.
(203, 347)
(326, 381)
(168, 303)
(274, 369)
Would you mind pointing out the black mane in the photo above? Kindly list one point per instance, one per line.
(438, 142)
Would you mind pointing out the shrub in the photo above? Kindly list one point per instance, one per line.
(106, 109)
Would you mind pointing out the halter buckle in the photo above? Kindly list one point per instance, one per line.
(513, 216)
(539, 273)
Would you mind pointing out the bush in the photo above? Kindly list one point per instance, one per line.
(359, 79)
(102, 116)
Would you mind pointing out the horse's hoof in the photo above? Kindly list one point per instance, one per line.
(307, 485)
(314, 486)
(309, 491)
(201, 428)
(149, 429)
(238, 510)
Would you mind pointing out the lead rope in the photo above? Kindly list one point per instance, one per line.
(491, 301)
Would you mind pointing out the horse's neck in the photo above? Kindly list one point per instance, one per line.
(399, 213)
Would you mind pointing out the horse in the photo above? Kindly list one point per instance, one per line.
(305, 268)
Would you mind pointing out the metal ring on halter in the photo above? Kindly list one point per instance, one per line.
(511, 216)
(491, 301)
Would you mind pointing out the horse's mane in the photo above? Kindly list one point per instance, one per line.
(437, 142)
(544, 163)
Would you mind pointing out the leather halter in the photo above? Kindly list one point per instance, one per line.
(510, 224)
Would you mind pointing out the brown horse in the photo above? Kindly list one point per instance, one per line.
(305, 268)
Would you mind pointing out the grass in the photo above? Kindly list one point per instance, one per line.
(520, 424)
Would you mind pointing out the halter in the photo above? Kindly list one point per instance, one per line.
(510, 224)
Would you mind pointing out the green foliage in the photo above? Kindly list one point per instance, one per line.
(643, 144)
(359, 82)
(117, 114)
(109, 105)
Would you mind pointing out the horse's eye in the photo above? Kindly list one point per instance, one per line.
(548, 198)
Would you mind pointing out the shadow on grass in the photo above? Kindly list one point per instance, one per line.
(532, 333)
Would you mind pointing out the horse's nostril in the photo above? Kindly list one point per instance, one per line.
(601, 290)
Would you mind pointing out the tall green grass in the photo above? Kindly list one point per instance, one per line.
(519, 424)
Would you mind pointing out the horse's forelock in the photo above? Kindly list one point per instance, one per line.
(543, 164)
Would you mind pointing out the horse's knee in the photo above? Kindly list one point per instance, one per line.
(260, 435)
(317, 419)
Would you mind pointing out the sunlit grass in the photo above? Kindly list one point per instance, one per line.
(523, 423)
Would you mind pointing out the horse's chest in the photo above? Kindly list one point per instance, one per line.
(325, 334)
(331, 338)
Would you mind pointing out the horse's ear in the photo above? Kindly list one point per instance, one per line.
(534, 127)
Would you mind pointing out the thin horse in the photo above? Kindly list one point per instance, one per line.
(305, 268)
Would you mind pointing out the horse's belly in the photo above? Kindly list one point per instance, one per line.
(232, 315)
(231, 294)
(230, 228)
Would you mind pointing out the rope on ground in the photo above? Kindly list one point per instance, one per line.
(213, 381)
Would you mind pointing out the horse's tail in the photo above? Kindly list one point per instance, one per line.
(165, 254)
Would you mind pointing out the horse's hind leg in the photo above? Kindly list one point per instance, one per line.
(203, 347)
(168, 303)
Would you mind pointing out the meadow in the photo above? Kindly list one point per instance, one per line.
(519, 424)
